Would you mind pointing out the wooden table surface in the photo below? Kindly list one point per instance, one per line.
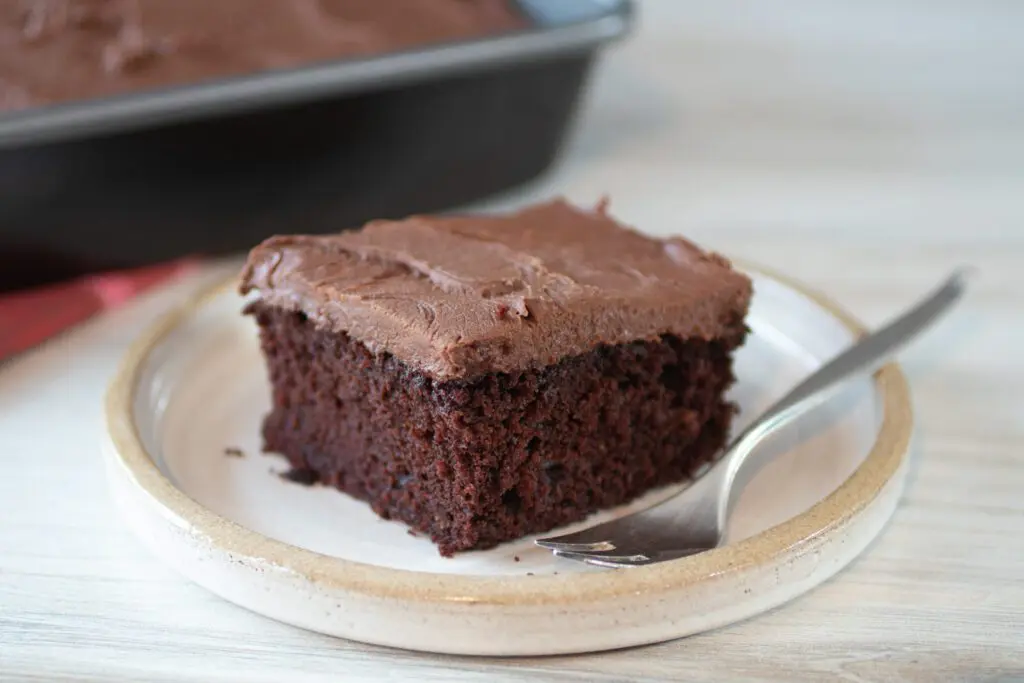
(866, 149)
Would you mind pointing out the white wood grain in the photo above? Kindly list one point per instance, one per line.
(866, 148)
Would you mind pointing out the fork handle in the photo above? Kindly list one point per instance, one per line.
(867, 354)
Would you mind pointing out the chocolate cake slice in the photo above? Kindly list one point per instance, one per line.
(485, 378)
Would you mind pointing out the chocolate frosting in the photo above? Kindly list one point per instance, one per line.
(458, 297)
(60, 50)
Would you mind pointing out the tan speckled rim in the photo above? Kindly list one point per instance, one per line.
(843, 505)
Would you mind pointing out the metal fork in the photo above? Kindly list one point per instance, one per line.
(694, 520)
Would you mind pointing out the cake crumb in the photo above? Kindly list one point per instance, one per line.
(412, 533)
(515, 557)
(234, 452)
(529, 573)
(304, 477)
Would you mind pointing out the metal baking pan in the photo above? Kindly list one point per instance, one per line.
(215, 167)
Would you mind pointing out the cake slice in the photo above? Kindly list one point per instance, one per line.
(485, 378)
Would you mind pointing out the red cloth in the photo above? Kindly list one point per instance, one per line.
(28, 318)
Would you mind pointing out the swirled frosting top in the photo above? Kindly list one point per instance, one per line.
(61, 50)
(459, 297)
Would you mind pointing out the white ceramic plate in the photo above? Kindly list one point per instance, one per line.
(194, 387)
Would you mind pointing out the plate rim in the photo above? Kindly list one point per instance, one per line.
(856, 494)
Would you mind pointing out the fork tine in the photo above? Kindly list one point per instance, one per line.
(614, 560)
(592, 539)
(557, 545)
(606, 561)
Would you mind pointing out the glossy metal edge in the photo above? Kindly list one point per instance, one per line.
(129, 112)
